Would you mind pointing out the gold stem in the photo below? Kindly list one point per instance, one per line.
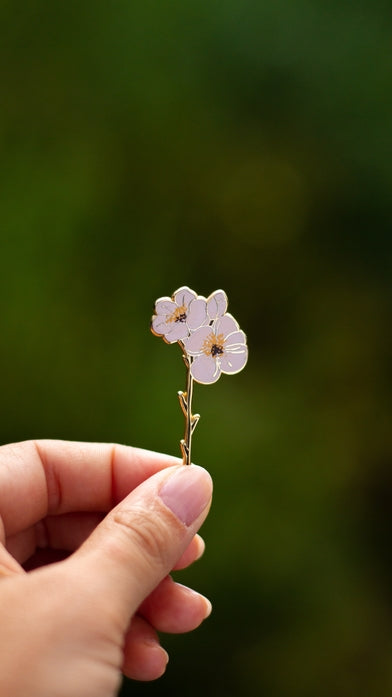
(190, 420)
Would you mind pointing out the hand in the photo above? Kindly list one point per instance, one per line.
(69, 628)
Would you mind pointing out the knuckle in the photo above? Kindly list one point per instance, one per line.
(150, 539)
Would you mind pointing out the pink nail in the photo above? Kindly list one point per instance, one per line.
(187, 492)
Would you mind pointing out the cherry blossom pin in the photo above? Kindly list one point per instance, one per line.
(210, 339)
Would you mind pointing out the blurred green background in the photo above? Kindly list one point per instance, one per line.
(243, 145)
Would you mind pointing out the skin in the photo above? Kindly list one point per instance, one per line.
(87, 546)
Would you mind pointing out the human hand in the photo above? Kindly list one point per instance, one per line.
(71, 627)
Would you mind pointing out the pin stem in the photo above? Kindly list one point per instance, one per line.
(191, 420)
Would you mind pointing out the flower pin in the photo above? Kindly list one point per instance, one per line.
(210, 339)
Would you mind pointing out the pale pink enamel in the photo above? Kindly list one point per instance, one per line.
(234, 362)
(197, 313)
(217, 304)
(165, 306)
(226, 325)
(210, 336)
(194, 343)
(235, 339)
(183, 296)
(176, 331)
(205, 369)
(158, 324)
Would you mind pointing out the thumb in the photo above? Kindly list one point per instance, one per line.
(140, 540)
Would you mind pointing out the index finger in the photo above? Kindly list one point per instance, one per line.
(49, 477)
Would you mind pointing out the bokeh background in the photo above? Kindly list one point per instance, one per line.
(243, 145)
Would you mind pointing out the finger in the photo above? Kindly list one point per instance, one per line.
(144, 657)
(60, 476)
(174, 608)
(63, 532)
(192, 553)
(22, 545)
(139, 541)
(68, 531)
(8, 565)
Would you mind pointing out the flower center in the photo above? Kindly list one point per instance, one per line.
(216, 350)
(213, 345)
(179, 315)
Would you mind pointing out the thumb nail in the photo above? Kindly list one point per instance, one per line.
(187, 492)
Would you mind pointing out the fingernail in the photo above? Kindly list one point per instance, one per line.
(201, 545)
(206, 603)
(159, 649)
(202, 599)
(208, 607)
(165, 655)
(187, 492)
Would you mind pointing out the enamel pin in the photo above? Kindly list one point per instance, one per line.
(210, 339)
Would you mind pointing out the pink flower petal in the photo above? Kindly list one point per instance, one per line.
(194, 343)
(217, 304)
(184, 296)
(234, 362)
(197, 313)
(234, 340)
(176, 331)
(226, 325)
(165, 306)
(205, 369)
(158, 324)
